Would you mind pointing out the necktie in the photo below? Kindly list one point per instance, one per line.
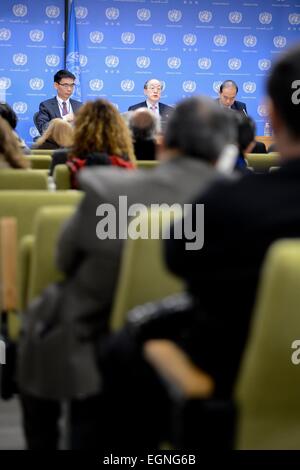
(153, 108)
(64, 108)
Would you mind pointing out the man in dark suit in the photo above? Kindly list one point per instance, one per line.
(152, 90)
(227, 95)
(61, 106)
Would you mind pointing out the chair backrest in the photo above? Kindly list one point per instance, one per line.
(24, 205)
(23, 179)
(39, 162)
(261, 162)
(147, 164)
(143, 276)
(41, 151)
(62, 177)
(42, 267)
(268, 386)
(8, 264)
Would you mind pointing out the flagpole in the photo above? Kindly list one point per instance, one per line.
(66, 29)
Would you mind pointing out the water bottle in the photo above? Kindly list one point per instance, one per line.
(267, 129)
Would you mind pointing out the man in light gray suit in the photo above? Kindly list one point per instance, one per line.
(196, 134)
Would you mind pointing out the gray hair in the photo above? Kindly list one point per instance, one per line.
(144, 124)
(199, 128)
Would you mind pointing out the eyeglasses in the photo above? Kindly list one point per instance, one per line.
(67, 85)
(152, 88)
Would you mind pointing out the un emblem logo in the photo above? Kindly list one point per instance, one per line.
(5, 34)
(96, 37)
(262, 110)
(127, 85)
(33, 132)
(112, 13)
(83, 60)
(249, 87)
(20, 10)
(52, 60)
(216, 86)
(143, 14)
(20, 107)
(204, 63)
(36, 84)
(189, 86)
(279, 41)
(36, 35)
(264, 64)
(234, 63)
(235, 17)
(81, 13)
(174, 15)
(128, 38)
(159, 39)
(143, 62)
(294, 18)
(220, 40)
(250, 40)
(174, 62)
(189, 39)
(52, 11)
(96, 84)
(5, 83)
(205, 16)
(112, 61)
(265, 17)
(73, 57)
(20, 59)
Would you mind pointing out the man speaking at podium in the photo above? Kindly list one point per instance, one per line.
(152, 91)
(61, 106)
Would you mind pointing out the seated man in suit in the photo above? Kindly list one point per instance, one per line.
(152, 90)
(61, 106)
(227, 95)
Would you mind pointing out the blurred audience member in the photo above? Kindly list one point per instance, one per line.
(11, 155)
(10, 116)
(101, 137)
(59, 134)
(246, 139)
(145, 127)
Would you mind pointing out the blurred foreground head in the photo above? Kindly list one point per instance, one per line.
(199, 128)
(283, 88)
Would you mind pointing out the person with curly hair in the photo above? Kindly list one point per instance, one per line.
(101, 137)
(11, 155)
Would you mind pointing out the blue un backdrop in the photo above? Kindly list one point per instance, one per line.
(192, 46)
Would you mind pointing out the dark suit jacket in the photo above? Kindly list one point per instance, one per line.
(242, 219)
(48, 110)
(164, 109)
(237, 106)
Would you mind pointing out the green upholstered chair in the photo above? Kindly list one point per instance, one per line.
(268, 387)
(62, 177)
(23, 179)
(143, 276)
(41, 151)
(39, 161)
(39, 269)
(23, 205)
(147, 164)
(262, 162)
